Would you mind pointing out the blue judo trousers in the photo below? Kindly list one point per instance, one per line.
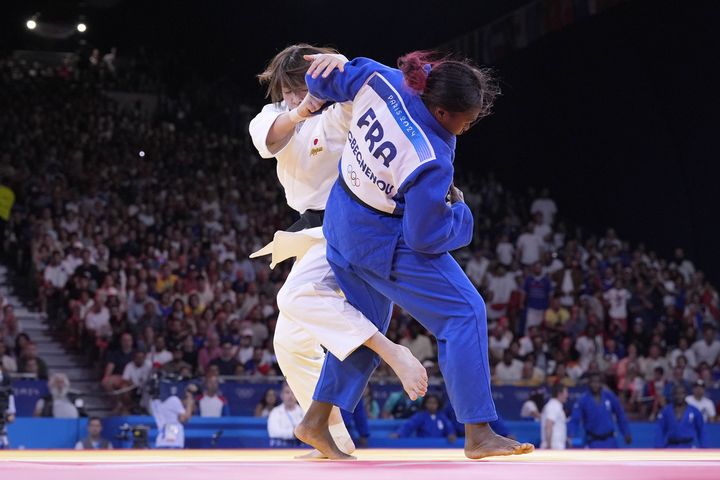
(389, 229)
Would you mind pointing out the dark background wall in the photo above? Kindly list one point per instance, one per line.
(619, 116)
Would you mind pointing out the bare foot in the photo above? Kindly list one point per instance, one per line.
(409, 370)
(481, 442)
(318, 437)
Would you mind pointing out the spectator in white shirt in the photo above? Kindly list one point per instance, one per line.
(707, 349)
(159, 354)
(685, 266)
(136, 304)
(7, 363)
(476, 268)
(689, 374)
(701, 402)
(542, 230)
(211, 403)
(283, 419)
(546, 206)
(617, 298)
(529, 246)
(588, 345)
(653, 361)
(505, 251)
(499, 288)
(509, 370)
(500, 339)
(57, 404)
(138, 371)
(553, 421)
(418, 343)
(97, 320)
(55, 274)
(532, 406)
(74, 258)
(245, 349)
(683, 349)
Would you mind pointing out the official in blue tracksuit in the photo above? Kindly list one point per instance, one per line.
(357, 424)
(680, 425)
(430, 422)
(391, 219)
(597, 412)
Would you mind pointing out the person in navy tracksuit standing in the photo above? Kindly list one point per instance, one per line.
(598, 411)
(391, 219)
(428, 423)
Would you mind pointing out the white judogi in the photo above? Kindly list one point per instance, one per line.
(313, 311)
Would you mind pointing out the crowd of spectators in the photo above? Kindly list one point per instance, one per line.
(135, 227)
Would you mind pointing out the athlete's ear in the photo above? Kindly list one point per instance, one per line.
(439, 113)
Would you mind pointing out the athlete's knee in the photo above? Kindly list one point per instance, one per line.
(474, 309)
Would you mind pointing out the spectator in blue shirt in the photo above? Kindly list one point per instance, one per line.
(428, 423)
(680, 425)
(597, 412)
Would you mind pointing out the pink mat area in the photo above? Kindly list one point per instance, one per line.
(366, 470)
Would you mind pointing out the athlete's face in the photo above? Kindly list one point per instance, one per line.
(293, 96)
(456, 123)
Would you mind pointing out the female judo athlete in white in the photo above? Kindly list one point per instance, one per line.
(313, 313)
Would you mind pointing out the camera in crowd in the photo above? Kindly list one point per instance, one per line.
(138, 434)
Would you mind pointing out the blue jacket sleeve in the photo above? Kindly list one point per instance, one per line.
(361, 420)
(575, 419)
(430, 225)
(343, 86)
(410, 427)
(662, 430)
(620, 415)
(449, 425)
(700, 429)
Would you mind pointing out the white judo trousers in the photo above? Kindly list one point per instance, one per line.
(313, 314)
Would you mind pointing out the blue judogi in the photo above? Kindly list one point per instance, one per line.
(424, 425)
(686, 432)
(389, 230)
(598, 419)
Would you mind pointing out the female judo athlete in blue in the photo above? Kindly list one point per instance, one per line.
(391, 219)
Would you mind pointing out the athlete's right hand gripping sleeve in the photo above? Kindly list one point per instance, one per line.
(343, 86)
(430, 225)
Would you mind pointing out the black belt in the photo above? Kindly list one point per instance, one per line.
(308, 219)
(679, 441)
(598, 438)
(357, 199)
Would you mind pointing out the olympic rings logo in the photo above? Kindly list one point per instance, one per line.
(352, 174)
